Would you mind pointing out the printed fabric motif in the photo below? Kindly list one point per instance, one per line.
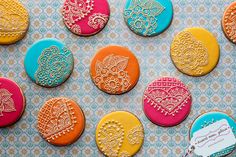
(167, 96)
(111, 137)
(13, 18)
(6, 102)
(111, 74)
(56, 118)
(142, 16)
(54, 66)
(189, 54)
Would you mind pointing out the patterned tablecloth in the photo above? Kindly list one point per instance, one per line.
(216, 91)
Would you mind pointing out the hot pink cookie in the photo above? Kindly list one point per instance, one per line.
(12, 102)
(167, 102)
(85, 17)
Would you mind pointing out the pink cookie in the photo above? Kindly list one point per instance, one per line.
(12, 102)
(86, 17)
(167, 102)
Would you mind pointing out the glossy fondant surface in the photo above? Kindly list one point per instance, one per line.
(209, 118)
(148, 17)
(48, 62)
(12, 102)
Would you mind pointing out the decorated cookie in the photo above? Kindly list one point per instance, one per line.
(49, 63)
(167, 102)
(61, 121)
(85, 17)
(195, 51)
(229, 22)
(12, 102)
(119, 134)
(148, 17)
(115, 70)
(14, 21)
(210, 118)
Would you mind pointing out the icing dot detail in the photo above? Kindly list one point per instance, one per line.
(229, 22)
(189, 54)
(56, 118)
(14, 21)
(111, 74)
(195, 51)
(119, 134)
(167, 101)
(114, 70)
(135, 135)
(148, 17)
(111, 137)
(6, 102)
(53, 66)
(85, 17)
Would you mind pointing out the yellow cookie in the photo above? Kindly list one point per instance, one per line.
(14, 21)
(195, 51)
(119, 134)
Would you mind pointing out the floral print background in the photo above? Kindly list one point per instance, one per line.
(215, 91)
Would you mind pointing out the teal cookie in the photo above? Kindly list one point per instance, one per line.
(148, 17)
(49, 63)
(210, 118)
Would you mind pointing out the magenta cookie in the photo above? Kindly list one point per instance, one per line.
(167, 102)
(12, 102)
(85, 17)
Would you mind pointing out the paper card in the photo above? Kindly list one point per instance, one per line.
(213, 138)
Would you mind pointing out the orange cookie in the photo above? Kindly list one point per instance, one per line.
(115, 70)
(228, 22)
(61, 121)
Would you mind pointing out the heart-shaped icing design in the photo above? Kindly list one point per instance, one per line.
(56, 118)
(167, 95)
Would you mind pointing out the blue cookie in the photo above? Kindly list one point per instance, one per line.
(49, 63)
(209, 118)
(148, 17)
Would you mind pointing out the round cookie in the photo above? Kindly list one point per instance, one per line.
(210, 118)
(49, 63)
(14, 21)
(167, 102)
(148, 17)
(115, 70)
(195, 51)
(119, 133)
(61, 121)
(228, 22)
(85, 17)
(12, 102)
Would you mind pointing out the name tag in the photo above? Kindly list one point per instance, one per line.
(213, 138)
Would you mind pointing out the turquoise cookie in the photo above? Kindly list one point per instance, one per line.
(148, 17)
(49, 63)
(209, 118)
